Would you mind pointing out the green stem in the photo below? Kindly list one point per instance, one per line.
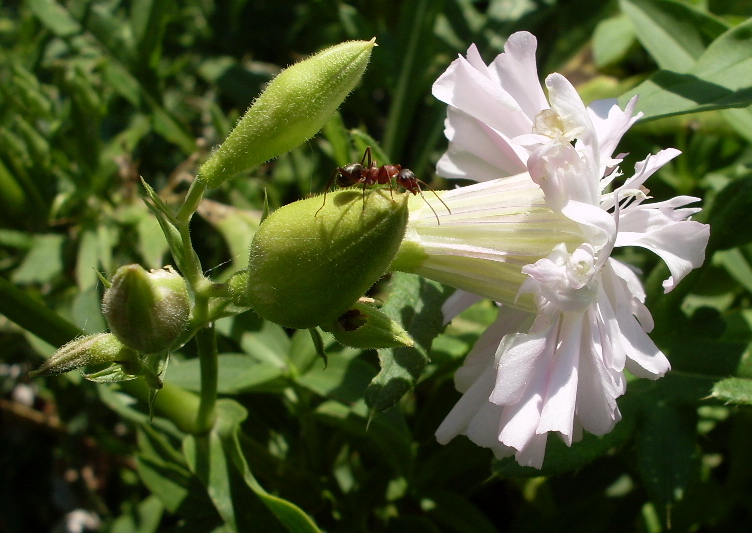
(192, 199)
(206, 341)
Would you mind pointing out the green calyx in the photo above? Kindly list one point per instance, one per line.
(89, 350)
(292, 109)
(364, 326)
(311, 260)
(146, 311)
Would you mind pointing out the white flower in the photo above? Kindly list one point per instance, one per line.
(561, 369)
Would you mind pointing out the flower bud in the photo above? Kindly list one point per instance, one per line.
(294, 106)
(89, 350)
(146, 311)
(311, 260)
(364, 326)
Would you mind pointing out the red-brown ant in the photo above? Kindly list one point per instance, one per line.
(369, 173)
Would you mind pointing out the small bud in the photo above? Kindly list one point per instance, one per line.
(294, 106)
(311, 260)
(364, 326)
(89, 350)
(147, 311)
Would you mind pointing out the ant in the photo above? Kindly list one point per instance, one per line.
(369, 173)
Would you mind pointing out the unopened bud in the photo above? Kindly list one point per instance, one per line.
(364, 326)
(311, 260)
(294, 106)
(90, 350)
(147, 311)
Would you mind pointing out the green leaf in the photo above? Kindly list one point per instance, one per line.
(43, 262)
(457, 513)
(216, 460)
(144, 518)
(721, 78)
(165, 473)
(168, 224)
(732, 210)
(415, 303)
(263, 340)
(55, 17)
(666, 451)
(237, 227)
(734, 390)
(673, 33)
(344, 380)
(612, 40)
(238, 373)
(318, 343)
(388, 432)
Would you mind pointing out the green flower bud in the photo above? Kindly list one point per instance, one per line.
(147, 311)
(89, 350)
(311, 260)
(294, 106)
(364, 326)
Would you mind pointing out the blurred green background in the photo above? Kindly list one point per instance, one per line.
(95, 94)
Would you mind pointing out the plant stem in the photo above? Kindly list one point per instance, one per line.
(192, 199)
(206, 341)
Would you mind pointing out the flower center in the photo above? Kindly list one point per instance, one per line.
(556, 126)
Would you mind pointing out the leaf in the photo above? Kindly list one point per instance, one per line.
(721, 78)
(112, 374)
(318, 344)
(458, 513)
(238, 373)
(388, 432)
(732, 210)
(168, 224)
(43, 262)
(343, 380)
(216, 460)
(612, 40)
(415, 303)
(55, 17)
(672, 32)
(144, 518)
(666, 451)
(734, 390)
(165, 473)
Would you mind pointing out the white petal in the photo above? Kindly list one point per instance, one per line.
(681, 245)
(496, 157)
(508, 321)
(471, 91)
(561, 394)
(610, 124)
(644, 359)
(519, 357)
(468, 406)
(458, 302)
(517, 72)
(648, 166)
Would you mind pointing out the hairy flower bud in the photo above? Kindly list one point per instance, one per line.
(147, 311)
(364, 326)
(89, 350)
(294, 106)
(311, 260)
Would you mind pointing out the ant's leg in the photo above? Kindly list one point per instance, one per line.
(328, 186)
(435, 194)
(429, 205)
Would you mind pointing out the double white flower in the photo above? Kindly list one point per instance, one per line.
(536, 234)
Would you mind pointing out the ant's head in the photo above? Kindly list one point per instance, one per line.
(406, 179)
(349, 174)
